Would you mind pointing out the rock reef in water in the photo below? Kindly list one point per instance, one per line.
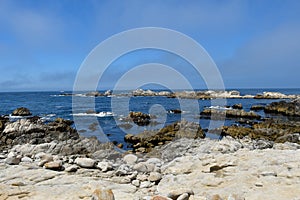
(285, 108)
(230, 113)
(145, 141)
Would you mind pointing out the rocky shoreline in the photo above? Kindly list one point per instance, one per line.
(208, 94)
(52, 161)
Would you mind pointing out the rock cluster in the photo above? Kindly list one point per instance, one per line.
(146, 140)
(270, 130)
(285, 108)
(185, 169)
(21, 112)
(139, 118)
(231, 113)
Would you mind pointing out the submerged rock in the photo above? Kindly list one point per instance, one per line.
(139, 118)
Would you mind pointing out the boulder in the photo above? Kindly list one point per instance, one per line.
(21, 112)
(54, 165)
(85, 162)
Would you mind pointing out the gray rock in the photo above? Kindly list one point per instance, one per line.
(136, 183)
(130, 159)
(54, 165)
(145, 184)
(154, 177)
(85, 162)
(184, 196)
(144, 167)
(104, 166)
(72, 168)
(13, 160)
(123, 170)
(142, 177)
(26, 159)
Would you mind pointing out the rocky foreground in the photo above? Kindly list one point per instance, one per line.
(183, 169)
(52, 161)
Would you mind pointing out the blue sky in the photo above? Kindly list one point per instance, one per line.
(43, 43)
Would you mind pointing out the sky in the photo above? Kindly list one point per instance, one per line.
(255, 44)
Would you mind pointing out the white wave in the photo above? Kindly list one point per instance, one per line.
(219, 108)
(100, 114)
(15, 117)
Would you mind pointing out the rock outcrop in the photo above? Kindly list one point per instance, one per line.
(146, 140)
(231, 113)
(21, 112)
(285, 108)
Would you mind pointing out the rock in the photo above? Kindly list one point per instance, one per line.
(54, 165)
(184, 196)
(285, 108)
(85, 162)
(174, 194)
(154, 177)
(104, 166)
(145, 184)
(72, 168)
(273, 95)
(93, 94)
(26, 159)
(21, 112)
(103, 194)
(139, 118)
(136, 183)
(130, 159)
(175, 111)
(257, 107)
(237, 106)
(108, 93)
(142, 177)
(13, 160)
(149, 139)
(123, 170)
(222, 114)
(144, 167)
(271, 130)
(160, 198)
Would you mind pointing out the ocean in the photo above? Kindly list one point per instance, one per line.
(113, 110)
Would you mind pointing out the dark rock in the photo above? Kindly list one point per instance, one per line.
(94, 94)
(139, 118)
(271, 130)
(257, 107)
(175, 111)
(285, 108)
(21, 112)
(234, 113)
(237, 106)
(149, 139)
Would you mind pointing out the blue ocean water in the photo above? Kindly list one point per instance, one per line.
(50, 105)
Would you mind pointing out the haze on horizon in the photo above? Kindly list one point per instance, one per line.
(255, 44)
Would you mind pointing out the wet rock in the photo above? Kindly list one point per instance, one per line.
(149, 139)
(271, 130)
(139, 118)
(285, 108)
(85, 162)
(103, 194)
(175, 111)
(257, 107)
(237, 106)
(222, 114)
(21, 112)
